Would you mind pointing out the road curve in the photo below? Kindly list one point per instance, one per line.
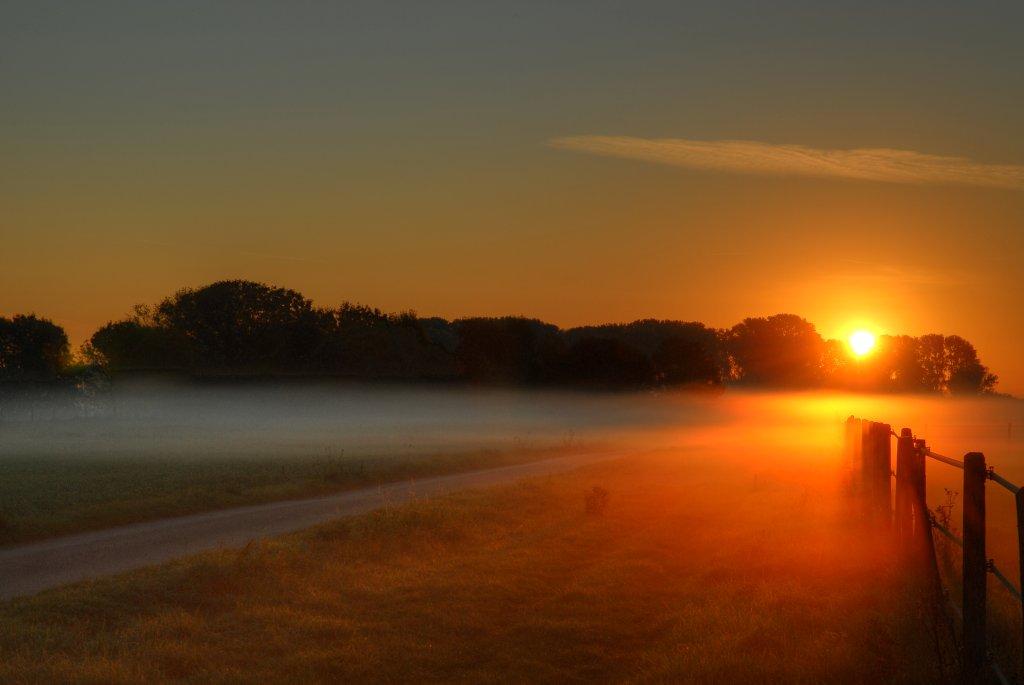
(28, 569)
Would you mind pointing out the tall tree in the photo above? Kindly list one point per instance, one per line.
(780, 350)
(32, 348)
(931, 354)
(964, 373)
(243, 325)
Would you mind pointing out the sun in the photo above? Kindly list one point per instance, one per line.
(861, 343)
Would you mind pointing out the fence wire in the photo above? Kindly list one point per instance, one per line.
(991, 568)
(990, 565)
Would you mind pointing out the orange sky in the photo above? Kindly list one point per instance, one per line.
(408, 158)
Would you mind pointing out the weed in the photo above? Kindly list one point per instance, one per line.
(944, 517)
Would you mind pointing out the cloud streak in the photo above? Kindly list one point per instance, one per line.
(751, 157)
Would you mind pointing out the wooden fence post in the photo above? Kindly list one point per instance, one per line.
(858, 445)
(856, 435)
(849, 461)
(975, 567)
(922, 541)
(904, 520)
(883, 473)
(921, 535)
(873, 474)
(877, 472)
(867, 462)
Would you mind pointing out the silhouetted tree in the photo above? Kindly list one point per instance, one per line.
(837, 366)
(32, 349)
(367, 343)
(680, 352)
(695, 357)
(508, 349)
(246, 327)
(931, 354)
(440, 332)
(897, 364)
(962, 372)
(780, 350)
(893, 366)
(606, 363)
(930, 363)
(138, 343)
(242, 325)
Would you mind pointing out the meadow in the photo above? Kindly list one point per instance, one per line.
(727, 549)
(44, 496)
(150, 450)
(699, 567)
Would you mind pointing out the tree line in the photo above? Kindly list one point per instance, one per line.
(243, 328)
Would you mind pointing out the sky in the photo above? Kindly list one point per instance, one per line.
(859, 164)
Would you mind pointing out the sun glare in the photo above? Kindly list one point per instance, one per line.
(861, 342)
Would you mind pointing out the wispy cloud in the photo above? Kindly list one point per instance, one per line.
(743, 156)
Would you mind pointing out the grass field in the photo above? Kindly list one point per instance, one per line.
(702, 567)
(42, 496)
(151, 450)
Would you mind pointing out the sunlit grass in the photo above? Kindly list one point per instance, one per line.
(701, 568)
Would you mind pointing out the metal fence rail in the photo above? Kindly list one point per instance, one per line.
(944, 459)
(1010, 587)
(996, 478)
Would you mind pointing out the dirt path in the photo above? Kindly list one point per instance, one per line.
(32, 568)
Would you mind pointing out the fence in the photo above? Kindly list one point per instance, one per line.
(869, 449)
